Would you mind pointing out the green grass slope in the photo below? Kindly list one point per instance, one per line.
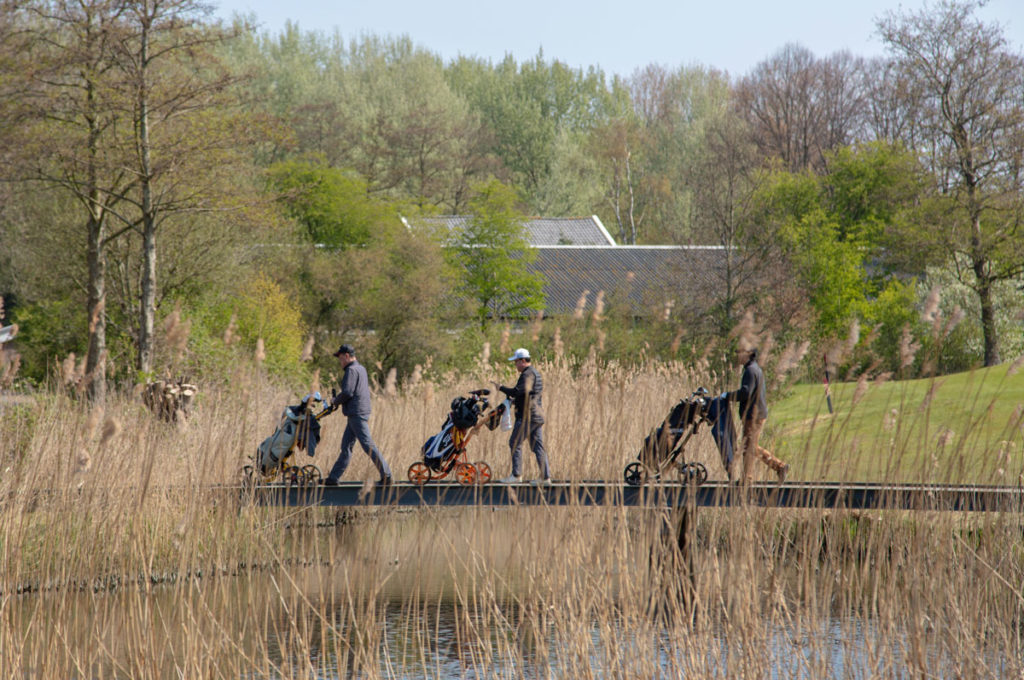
(965, 427)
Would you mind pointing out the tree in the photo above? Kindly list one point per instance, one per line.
(493, 253)
(967, 86)
(620, 145)
(650, 161)
(67, 116)
(185, 143)
(536, 115)
(330, 204)
(726, 179)
(800, 107)
(830, 225)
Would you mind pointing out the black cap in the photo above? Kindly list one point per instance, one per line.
(345, 349)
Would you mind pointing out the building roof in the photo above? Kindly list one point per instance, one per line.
(541, 231)
(7, 333)
(649, 279)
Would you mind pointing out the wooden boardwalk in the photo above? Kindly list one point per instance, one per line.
(833, 495)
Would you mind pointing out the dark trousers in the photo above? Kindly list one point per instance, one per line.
(515, 442)
(358, 429)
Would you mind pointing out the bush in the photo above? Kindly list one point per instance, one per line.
(227, 329)
(47, 332)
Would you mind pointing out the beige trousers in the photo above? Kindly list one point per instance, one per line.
(751, 434)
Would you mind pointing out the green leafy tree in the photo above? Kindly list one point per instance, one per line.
(330, 204)
(830, 269)
(537, 115)
(362, 272)
(492, 255)
(965, 85)
(870, 189)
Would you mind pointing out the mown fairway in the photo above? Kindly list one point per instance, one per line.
(956, 428)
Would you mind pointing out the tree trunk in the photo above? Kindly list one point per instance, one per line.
(96, 357)
(983, 282)
(96, 261)
(988, 314)
(147, 293)
(147, 289)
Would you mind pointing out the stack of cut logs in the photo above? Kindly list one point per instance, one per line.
(170, 400)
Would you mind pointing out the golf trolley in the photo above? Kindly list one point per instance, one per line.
(299, 428)
(445, 452)
(663, 447)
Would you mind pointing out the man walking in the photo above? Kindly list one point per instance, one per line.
(753, 413)
(527, 405)
(354, 400)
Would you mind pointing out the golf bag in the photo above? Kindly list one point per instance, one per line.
(465, 413)
(298, 428)
(659, 445)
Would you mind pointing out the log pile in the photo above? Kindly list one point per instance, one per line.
(170, 400)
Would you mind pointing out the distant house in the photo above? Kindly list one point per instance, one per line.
(540, 231)
(581, 264)
(648, 280)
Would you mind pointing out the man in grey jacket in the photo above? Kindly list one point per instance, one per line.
(354, 400)
(753, 413)
(528, 407)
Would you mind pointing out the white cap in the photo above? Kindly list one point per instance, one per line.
(521, 353)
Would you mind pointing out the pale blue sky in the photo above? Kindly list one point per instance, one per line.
(617, 36)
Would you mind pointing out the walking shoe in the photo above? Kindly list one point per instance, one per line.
(783, 472)
(330, 482)
(384, 481)
(541, 482)
(511, 479)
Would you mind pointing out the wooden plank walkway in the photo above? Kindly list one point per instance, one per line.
(852, 496)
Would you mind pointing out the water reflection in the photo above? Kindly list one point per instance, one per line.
(310, 623)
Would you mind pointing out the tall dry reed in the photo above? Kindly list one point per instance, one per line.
(124, 556)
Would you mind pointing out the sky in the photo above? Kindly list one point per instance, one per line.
(619, 37)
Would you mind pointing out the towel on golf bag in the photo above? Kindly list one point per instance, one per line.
(297, 427)
(308, 435)
(722, 428)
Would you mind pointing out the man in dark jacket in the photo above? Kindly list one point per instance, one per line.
(753, 413)
(529, 412)
(354, 400)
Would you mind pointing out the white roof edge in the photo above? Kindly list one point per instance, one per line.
(603, 247)
(600, 225)
(7, 333)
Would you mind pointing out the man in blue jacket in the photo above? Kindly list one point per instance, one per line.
(753, 413)
(354, 400)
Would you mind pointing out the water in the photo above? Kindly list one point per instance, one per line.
(268, 626)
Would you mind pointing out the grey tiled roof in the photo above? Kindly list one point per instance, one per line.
(646, 278)
(541, 231)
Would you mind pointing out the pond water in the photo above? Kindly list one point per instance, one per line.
(252, 631)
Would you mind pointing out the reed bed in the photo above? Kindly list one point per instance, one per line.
(122, 556)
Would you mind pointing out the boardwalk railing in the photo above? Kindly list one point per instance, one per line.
(853, 496)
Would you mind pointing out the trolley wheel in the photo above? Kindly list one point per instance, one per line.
(465, 474)
(483, 472)
(694, 471)
(293, 476)
(635, 474)
(419, 473)
(311, 474)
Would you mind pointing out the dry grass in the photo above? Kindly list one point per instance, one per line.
(137, 568)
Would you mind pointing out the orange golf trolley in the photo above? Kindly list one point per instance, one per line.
(444, 453)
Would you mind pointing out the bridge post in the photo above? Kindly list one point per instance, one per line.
(686, 539)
